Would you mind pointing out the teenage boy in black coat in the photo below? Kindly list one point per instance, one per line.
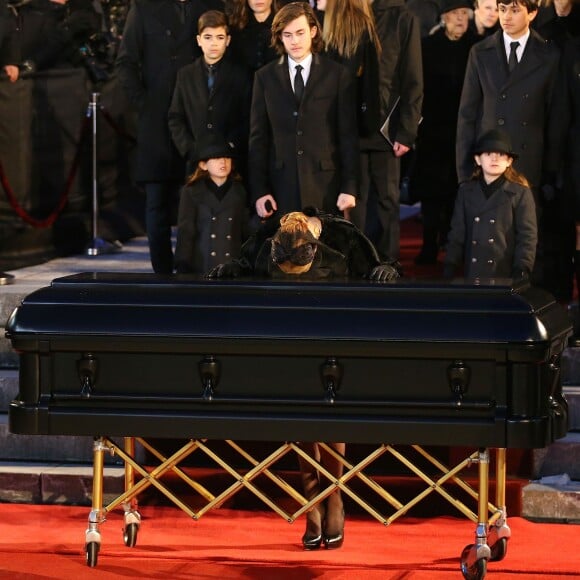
(302, 153)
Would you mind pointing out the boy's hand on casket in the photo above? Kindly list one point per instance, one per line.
(384, 273)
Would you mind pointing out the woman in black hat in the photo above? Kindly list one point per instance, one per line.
(212, 222)
(493, 229)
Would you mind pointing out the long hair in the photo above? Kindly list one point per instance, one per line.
(346, 23)
(511, 174)
(289, 13)
(239, 12)
(200, 173)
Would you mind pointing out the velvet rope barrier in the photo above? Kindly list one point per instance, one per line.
(48, 221)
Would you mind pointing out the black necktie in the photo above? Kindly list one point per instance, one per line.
(298, 83)
(513, 58)
(210, 77)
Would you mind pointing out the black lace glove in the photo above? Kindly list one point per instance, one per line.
(384, 273)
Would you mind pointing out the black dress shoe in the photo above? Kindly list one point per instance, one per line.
(312, 538)
(334, 540)
(311, 541)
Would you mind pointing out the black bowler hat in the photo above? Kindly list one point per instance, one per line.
(495, 141)
(449, 5)
(213, 146)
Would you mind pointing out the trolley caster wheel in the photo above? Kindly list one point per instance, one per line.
(92, 553)
(498, 550)
(130, 535)
(475, 571)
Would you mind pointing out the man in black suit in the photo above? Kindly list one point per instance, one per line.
(158, 40)
(519, 101)
(303, 148)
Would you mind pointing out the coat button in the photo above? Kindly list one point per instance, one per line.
(299, 132)
(492, 221)
(209, 126)
(227, 254)
(212, 236)
(295, 114)
(300, 152)
(473, 260)
(491, 241)
(212, 254)
(210, 108)
(504, 96)
(476, 219)
(213, 218)
(501, 122)
(524, 123)
(474, 242)
(228, 237)
(490, 261)
(230, 219)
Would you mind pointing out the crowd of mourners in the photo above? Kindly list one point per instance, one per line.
(293, 118)
(251, 109)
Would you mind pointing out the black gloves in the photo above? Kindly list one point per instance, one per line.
(384, 273)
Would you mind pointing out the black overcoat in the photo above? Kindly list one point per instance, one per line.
(307, 155)
(444, 63)
(495, 237)
(400, 73)
(194, 112)
(210, 230)
(521, 103)
(154, 47)
(250, 47)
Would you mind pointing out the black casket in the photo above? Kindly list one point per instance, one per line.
(406, 362)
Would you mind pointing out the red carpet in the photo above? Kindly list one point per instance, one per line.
(411, 241)
(44, 542)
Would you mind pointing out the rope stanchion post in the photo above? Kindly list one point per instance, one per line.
(98, 245)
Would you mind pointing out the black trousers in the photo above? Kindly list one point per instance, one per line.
(160, 215)
(377, 209)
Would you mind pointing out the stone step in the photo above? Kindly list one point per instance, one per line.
(58, 448)
(561, 457)
(53, 483)
(553, 502)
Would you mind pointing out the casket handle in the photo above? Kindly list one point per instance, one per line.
(209, 372)
(331, 374)
(87, 368)
(458, 375)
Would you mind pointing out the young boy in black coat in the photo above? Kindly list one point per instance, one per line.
(211, 95)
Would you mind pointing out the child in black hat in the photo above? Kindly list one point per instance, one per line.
(213, 217)
(493, 229)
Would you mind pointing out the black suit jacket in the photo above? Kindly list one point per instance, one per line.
(194, 112)
(306, 155)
